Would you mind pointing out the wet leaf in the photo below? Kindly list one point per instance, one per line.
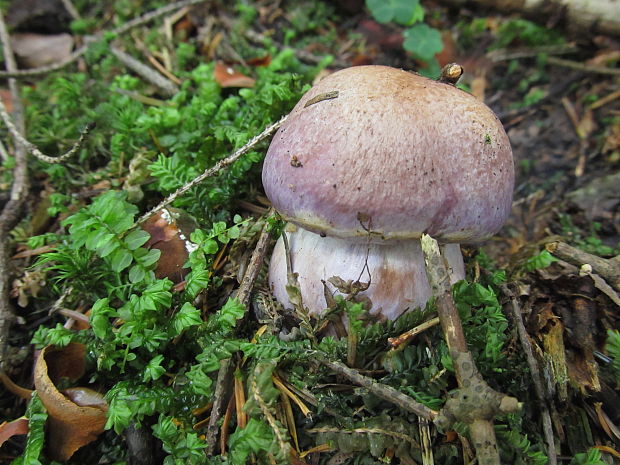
(226, 76)
(170, 230)
(77, 415)
(13, 428)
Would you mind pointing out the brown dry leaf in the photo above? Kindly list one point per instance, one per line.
(170, 229)
(28, 285)
(13, 428)
(36, 50)
(226, 76)
(7, 99)
(76, 416)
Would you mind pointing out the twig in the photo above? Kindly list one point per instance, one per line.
(413, 332)
(382, 391)
(474, 402)
(11, 212)
(535, 373)
(145, 18)
(73, 12)
(254, 266)
(601, 266)
(31, 148)
(220, 402)
(503, 54)
(214, 169)
(583, 67)
(264, 408)
(222, 389)
(154, 77)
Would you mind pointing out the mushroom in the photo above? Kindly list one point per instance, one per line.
(371, 158)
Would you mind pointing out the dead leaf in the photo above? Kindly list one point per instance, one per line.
(170, 229)
(36, 50)
(13, 428)
(76, 416)
(226, 76)
(28, 285)
(10, 386)
(7, 99)
(260, 61)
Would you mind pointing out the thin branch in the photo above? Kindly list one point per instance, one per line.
(11, 212)
(382, 391)
(71, 9)
(583, 67)
(608, 269)
(543, 400)
(82, 50)
(474, 402)
(148, 73)
(254, 266)
(219, 166)
(222, 386)
(220, 402)
(31, 148)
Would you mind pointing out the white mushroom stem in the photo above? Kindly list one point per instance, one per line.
(395, 270)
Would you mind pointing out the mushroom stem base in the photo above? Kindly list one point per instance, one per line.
(395, 271)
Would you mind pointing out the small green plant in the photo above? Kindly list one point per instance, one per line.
(541, 260)
(421, 40)
(613, 348)
(587, 241)
(591, 457)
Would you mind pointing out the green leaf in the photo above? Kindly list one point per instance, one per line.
(153, 369)
(228, 315)
(201, 382)
(120, 259)
(210, 247)
(255, 437)
(381, 10)
(186, 317)
(100, 315)
(136, 274)
(539, 261)
(405, 12)
(136, 238)
(423, 41)
(37, 417)
(147, 258)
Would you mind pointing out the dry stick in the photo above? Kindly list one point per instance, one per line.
(31, 148)
(148, 73)
(474, 402)
(583, 67)
(214, 169)
(10, 214)
(608, 269)
(73, 12)
(382, 391)
(224, 375)
(536, 375)
(145, 18)
(413, 332)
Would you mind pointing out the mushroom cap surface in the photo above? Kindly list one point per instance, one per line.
(382, 149)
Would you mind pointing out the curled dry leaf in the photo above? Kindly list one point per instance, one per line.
(13, 428)
(226, 76)
(170, 229)
(76, 415)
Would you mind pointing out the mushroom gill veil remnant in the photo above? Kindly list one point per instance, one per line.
(371, 158)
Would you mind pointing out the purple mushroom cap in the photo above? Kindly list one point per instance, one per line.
(373, 148)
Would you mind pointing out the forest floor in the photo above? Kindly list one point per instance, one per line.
(160, 374)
